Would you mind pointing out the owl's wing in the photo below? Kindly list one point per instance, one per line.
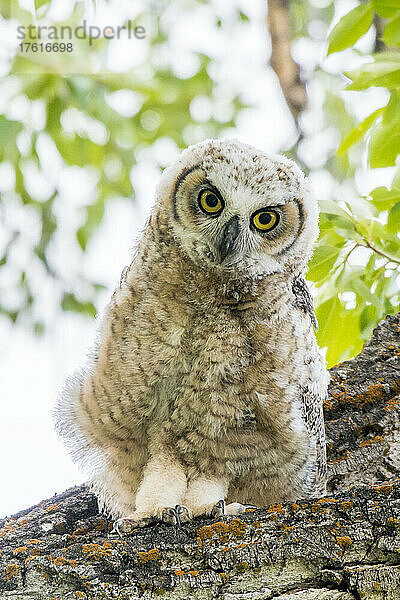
(313, 397)
(313, 394)
(303, 298)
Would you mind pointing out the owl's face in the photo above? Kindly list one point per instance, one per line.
(235, 209)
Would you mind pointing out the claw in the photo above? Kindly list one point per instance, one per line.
(168, 515)
(115, 530)
(221, 505)
(218, 509)
(178, 511)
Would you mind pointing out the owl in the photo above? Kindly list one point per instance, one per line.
(203, 392)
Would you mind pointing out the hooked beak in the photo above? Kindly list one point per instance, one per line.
(228, 237)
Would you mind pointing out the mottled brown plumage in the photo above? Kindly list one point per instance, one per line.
(206, 382)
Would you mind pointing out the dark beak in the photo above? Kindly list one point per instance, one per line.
(228, 238)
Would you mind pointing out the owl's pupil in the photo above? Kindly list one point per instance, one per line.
(264, 218)
(212, 200)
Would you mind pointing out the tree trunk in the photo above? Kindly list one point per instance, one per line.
(342, 547)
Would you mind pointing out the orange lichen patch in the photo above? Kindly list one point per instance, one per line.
(79, 594)
(20, 550)
(205, 533)
(392, 523)
(237, 527)
(317, 508)
(392, 403)
(193, 573)
(153, 554)
(179, 573)
(326, 501)
(276, 509)
(52, 507)
(22, 522)
(59, 561)
(33, 541)
(107, 545)
(295, 507)
(7, 529)
(97, 550)
(374, 440)
(327, 404)
(373, 394)
(344, 541)
(220, 527)
(346, 505)
(385, 488)
(11, 571)
(256, 524)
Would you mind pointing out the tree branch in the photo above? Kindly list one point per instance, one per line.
(287, 70)
(336, 548)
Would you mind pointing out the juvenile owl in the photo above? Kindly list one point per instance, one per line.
(204, 391)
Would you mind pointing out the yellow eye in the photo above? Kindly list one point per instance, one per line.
(210, 203)
(265, 220)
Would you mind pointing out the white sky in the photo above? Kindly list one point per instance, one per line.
(32, 462)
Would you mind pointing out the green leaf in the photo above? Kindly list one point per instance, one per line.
(384, 147)
(338, 331)
(368, 318)
(243, 17)
(394, 218)
(358, 132)
(381, 73)
(391, 35)
(332, 208)
(321, 264)
(385, 139)
(350, 28)
(383, 198)
(386, 8)
(71, 303)
(364, 292)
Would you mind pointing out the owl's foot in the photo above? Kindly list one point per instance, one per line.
(166, 514)
(235, 508)
(128, 524)
(174, 516)
(220, 509)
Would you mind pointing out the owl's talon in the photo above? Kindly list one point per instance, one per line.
(175, 516)
(169, 515)
(218, 509)
(178, 512)
(235, 508)
(128, 524)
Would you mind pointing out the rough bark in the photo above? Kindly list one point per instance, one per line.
(342, 547)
